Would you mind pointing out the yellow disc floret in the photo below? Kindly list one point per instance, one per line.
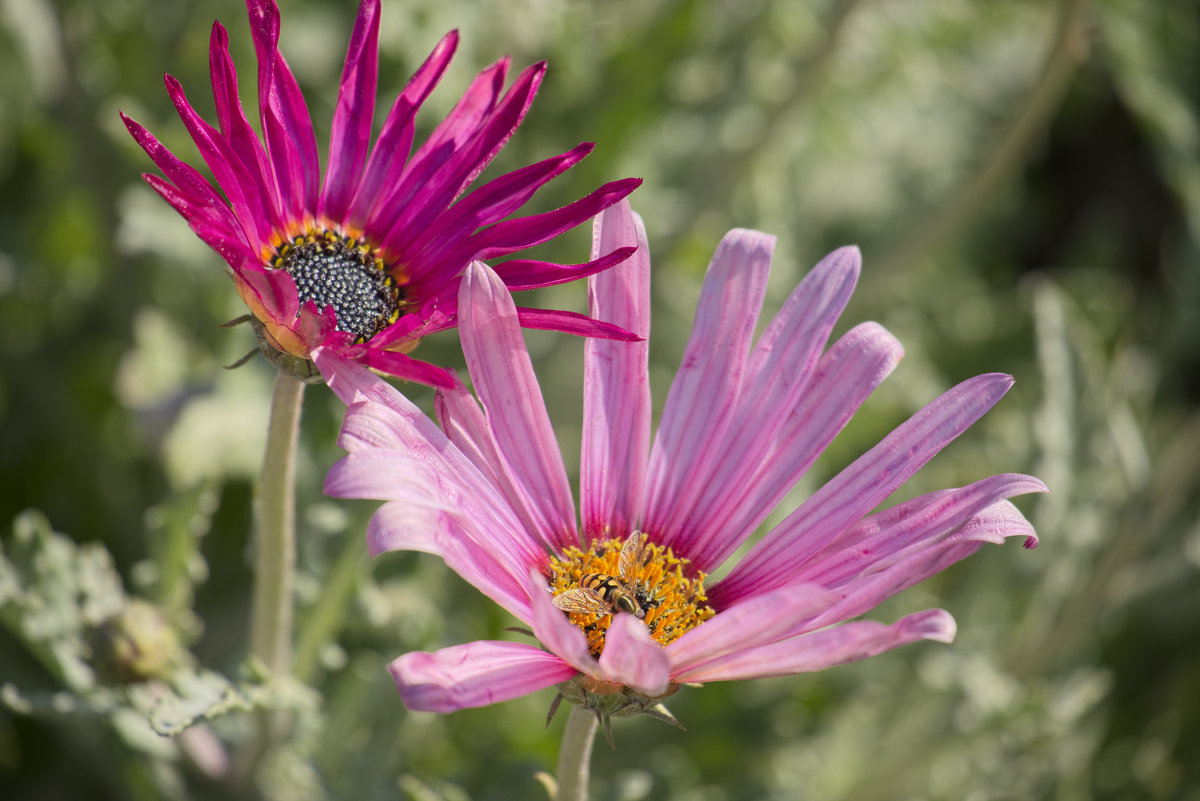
(632, 575)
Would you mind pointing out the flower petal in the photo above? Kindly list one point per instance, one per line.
(849, 642)
(390, 153)
(497, 573)
(756, 621)
(633, 659)
(847, 373)
(705, 389)
(859, 488)
(350, 135)
(507, 387)
(555, 631)
(474, 674)
(780, 371)
(616, 384)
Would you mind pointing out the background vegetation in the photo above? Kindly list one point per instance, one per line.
(1024, 181)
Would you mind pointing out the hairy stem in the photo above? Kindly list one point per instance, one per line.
(575, 758)
(275, 546)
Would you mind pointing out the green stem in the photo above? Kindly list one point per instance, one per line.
(275, 545)
(575, 758)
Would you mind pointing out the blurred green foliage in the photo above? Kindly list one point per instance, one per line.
(1024, 180)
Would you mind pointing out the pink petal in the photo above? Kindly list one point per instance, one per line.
(878, 582)
(475, 674)
(778, 376)
(504, 380)
(851, 369)
(697, 411)
(483, 562)
(633, 659)
(849, 642)
(616, 403)
(555, 631)
(350, 136)
(876, 540)
(756, 621)
(859, 488)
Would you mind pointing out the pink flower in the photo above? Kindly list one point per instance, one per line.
(743, 422)
(366, 259)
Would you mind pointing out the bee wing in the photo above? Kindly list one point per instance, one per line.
(583, 601)
(630, 561)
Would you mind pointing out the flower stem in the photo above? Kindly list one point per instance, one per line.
(275, 548)
(575, 758)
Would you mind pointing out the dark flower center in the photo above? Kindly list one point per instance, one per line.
(331, 269)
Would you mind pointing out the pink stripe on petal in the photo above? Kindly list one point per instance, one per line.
(631, 658)
(616, 384)
(860, 487)
(756, 621)
(475, 674)
(350, 135)
(705, 389)
(508, 389)
(849, 642)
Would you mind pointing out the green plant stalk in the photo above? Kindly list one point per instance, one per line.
(275, 541)
(575, 757)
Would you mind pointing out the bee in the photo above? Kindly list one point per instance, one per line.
(602, 594)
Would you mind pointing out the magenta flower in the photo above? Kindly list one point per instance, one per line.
(365, 260)
(619, 602)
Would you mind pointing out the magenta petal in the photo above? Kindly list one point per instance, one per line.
(860, 487)
(495, 352)
(474, 674)
(350, 136)
(616, 403)
(571, 323)
(756, 621)
(849, 642)
(522, 274)
(633, 659)
(699, 405)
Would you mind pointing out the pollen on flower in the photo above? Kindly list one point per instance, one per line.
(672, 601)
(332, 269)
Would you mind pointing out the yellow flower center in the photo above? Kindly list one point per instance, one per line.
(633, 576)
(334, 269)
